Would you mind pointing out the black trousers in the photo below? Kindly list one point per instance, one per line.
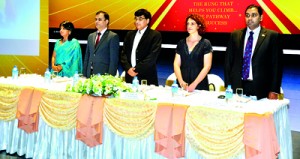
(248, 88)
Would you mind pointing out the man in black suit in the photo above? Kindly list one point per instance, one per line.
(102, 50)
(141, 49)
(262, 76)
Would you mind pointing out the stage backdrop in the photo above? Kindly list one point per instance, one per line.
(19, 25)
(169, 15)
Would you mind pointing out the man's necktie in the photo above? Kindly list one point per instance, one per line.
(98, 39)
(247, 57)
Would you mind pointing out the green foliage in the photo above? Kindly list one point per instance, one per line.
(100, 85)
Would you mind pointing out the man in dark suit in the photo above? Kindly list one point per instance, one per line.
(141, 49)
(262, 76)
(102, 51)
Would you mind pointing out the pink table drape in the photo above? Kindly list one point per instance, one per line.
(259, 130)
(90, 120)
(260, 136)
(169, 130)
(28, 105)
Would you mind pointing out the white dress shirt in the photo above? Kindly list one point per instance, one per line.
(255, 37)
(102, 32)
(136, 41)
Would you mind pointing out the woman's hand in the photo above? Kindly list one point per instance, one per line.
(184, 85)
(191, 87)
(57, 68)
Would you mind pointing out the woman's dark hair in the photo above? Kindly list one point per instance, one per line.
(69, 26)
(143, 12)
(199, 20)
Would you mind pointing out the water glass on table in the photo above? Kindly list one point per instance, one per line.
(239, 92)
(184, 89)
(22, 71)
(54, 74)
(144, 82)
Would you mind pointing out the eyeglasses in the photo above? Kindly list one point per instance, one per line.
(63, 28)
(253, 15)
(99, 19)
(139, 18)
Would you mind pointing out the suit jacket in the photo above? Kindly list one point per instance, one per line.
(147, 52)
(105, 57)
(266, 62)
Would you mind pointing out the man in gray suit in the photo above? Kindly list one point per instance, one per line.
(102, 51)
(255, 66)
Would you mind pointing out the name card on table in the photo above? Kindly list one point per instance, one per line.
(132, 95)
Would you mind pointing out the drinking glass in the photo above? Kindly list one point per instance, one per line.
(143, 85)
(144, 82)
(54, 74)
(239, 92)
(22, 71)
(184, 89)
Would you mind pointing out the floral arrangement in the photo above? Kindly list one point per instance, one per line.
(100, 85)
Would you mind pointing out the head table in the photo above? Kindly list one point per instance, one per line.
(39, 119)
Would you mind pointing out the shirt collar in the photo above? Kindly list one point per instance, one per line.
(102, 32)
(143, 30)
(255, 31)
